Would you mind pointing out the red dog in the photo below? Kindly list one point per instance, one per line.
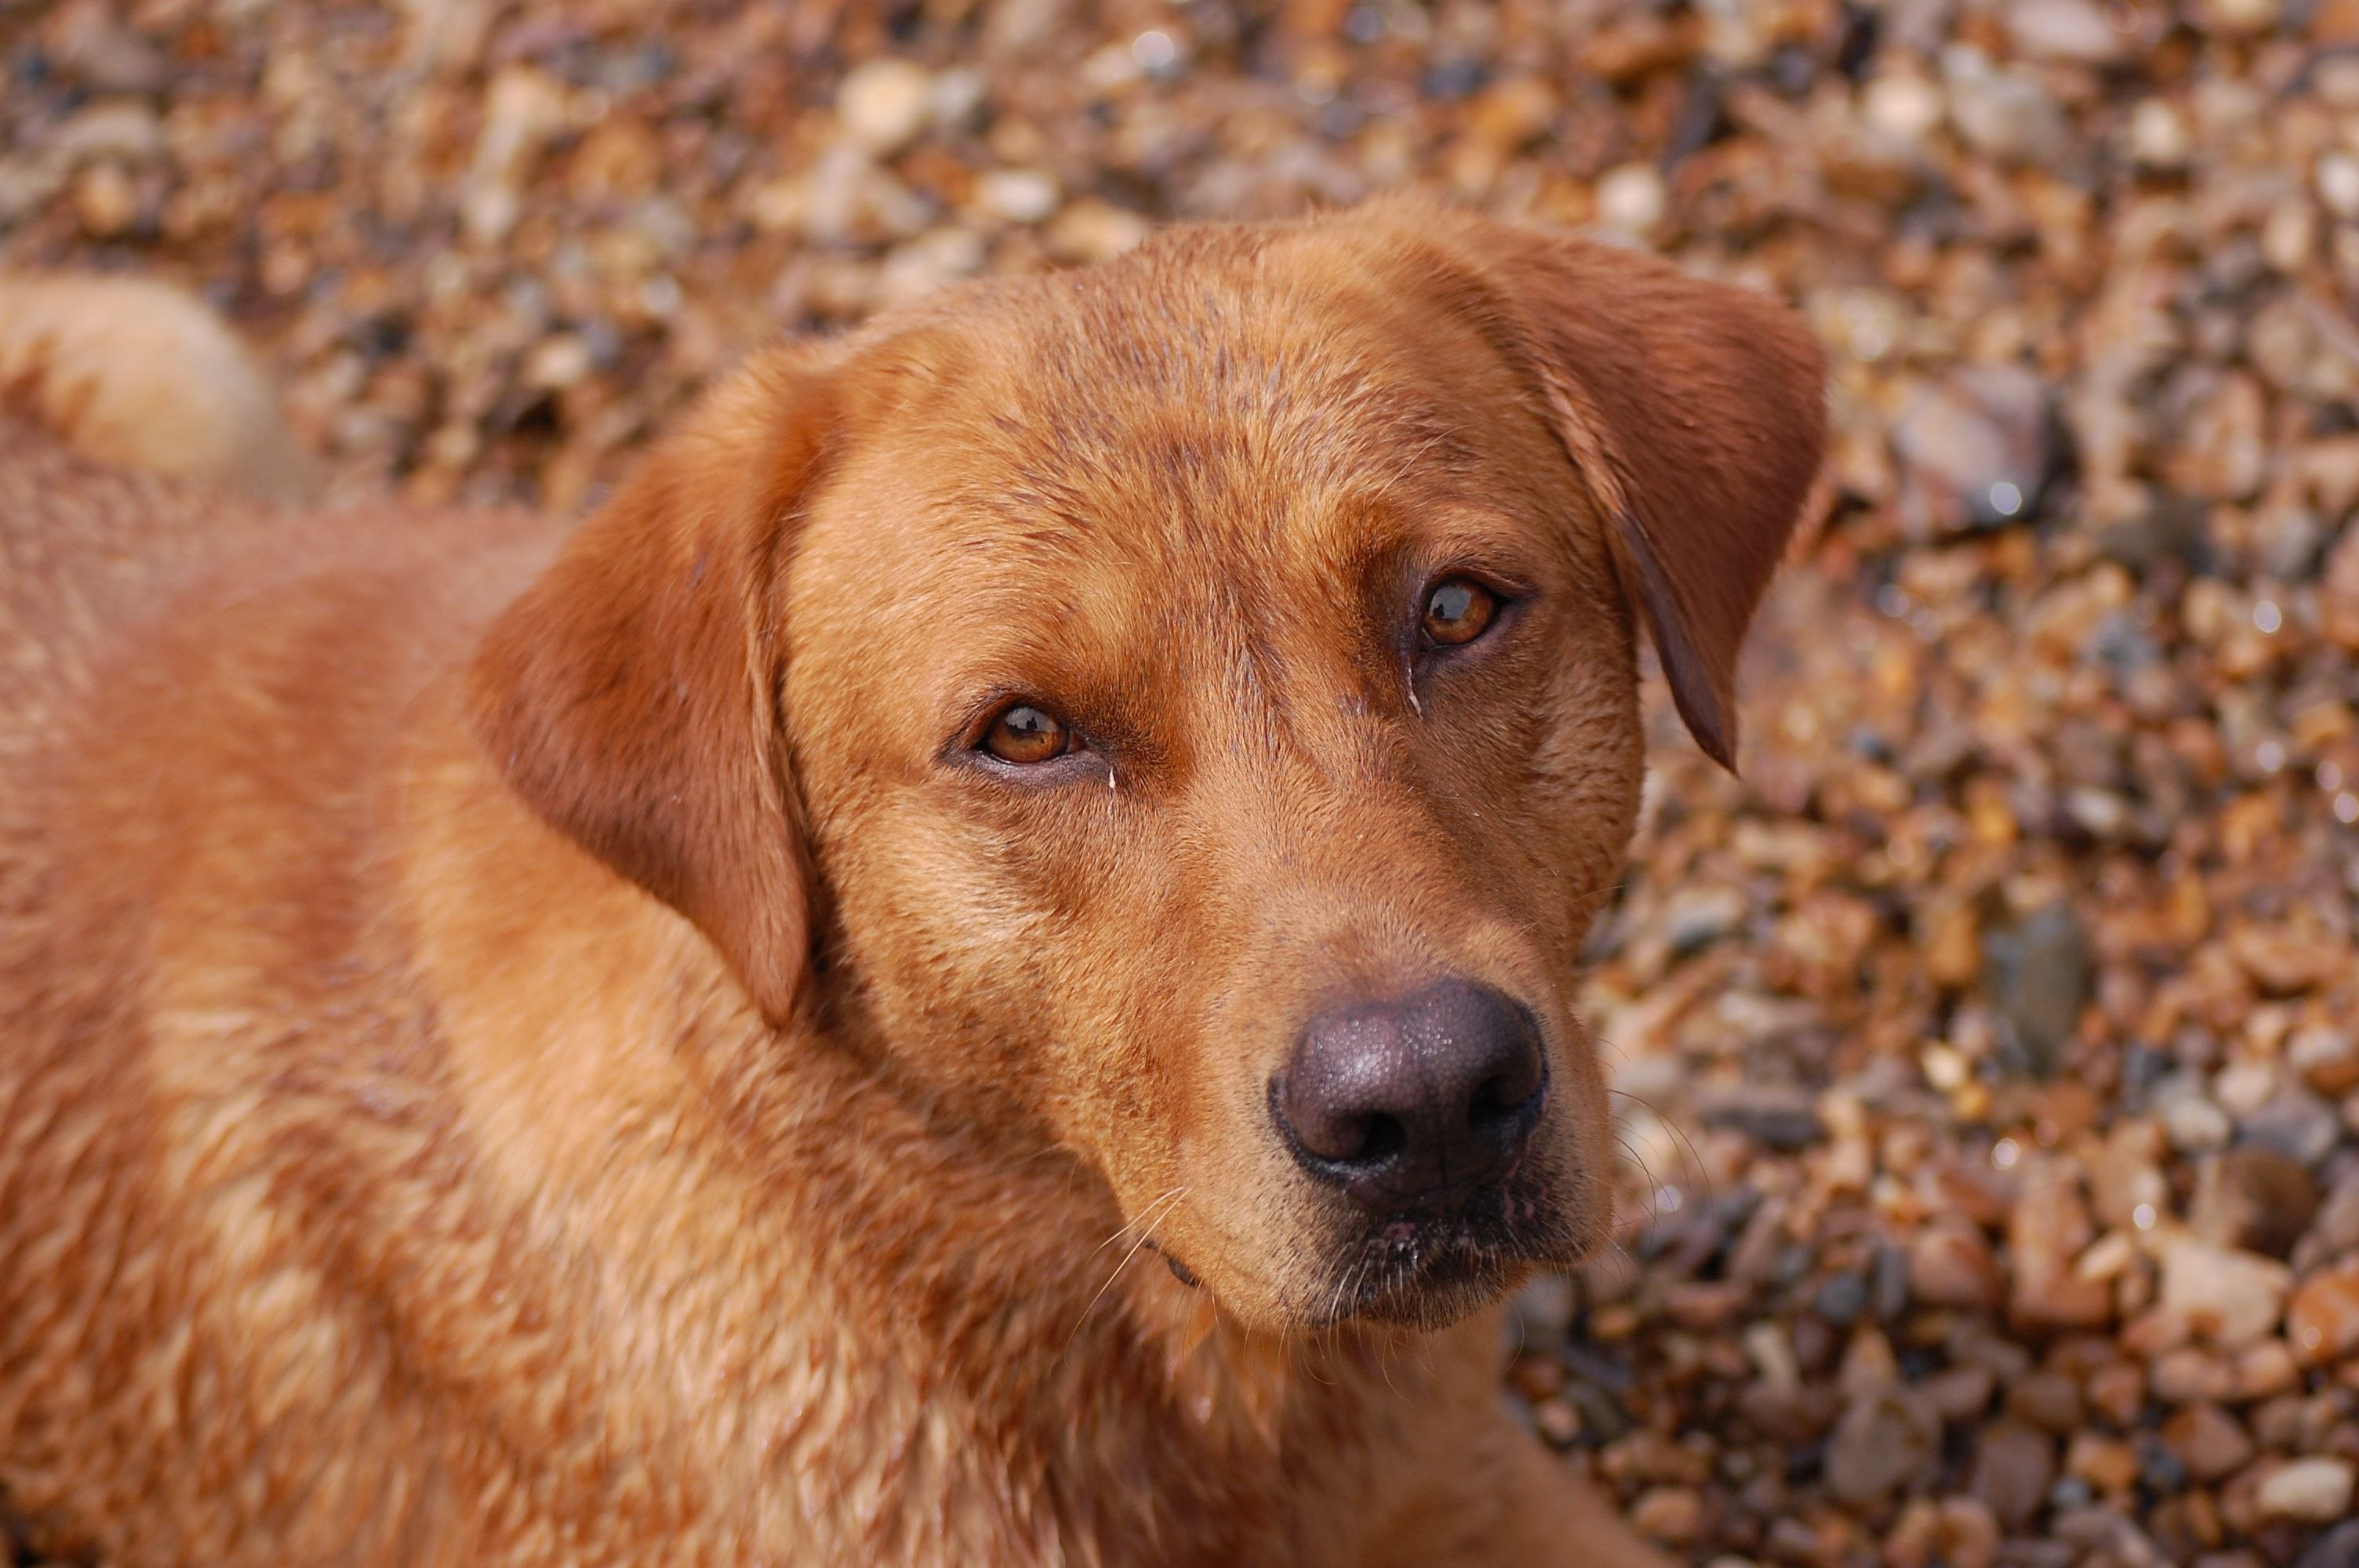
(667, 1044)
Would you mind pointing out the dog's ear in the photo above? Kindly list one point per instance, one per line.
(629, 693)
(1695, 411)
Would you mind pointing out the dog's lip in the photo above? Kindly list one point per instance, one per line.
(1179, 1272)
(1407, 1259)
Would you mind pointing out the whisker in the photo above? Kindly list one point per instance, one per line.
(1154, 1211)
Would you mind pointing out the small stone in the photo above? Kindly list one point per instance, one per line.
(1699, 918)
(2335, 1228)
(1782, 1120)
(2264, 1370)
(1017, 195)
(2231, 1297)
(2193, 1120)
(2014, 1467)
(1951, 1266)
(1094, 230)
(1842, 1298)
(1557, 1422)
(2037, 973)
(1869, 1366)
(105, 199)
(2285, 961)
(2159, 136)
(2208, 1441)
(2326, 1057)
(884, 103)
(2117, 1392)
(2186, 1372)
(1672, 1514)
(2338, 1548)
(2338, 184)
(1903, 106)
(2234, 17)
(1631, 198)
(2314, 1491)
(1883, 1442)
(2074, 30)
(2003, 114)
(2322, 1319)
(2047, 1401)
(2047, 1230)
(557, 362)
(1545, 1306)
(2108, 1465)
(1962, 1393)
(2293, 1123)
(2252, 1199)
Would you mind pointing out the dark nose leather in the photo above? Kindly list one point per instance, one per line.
(1414, 1106)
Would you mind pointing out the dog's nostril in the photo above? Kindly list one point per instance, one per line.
(1495, 1102)
(1383, 1138)
(1415, 1103)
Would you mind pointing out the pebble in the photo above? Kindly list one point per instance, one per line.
(2047, 1401)
(2003, 114)
(2252, 1199)
(2338, 184)
(2208, 1441)
(1631, 198)
(1952, 1266)
(2230, 1297)
(2295, 1124)
(884, 103)
(2194, 1122)
(2076, 30)
(2338, 1548)
(1883, 1442)
(2322, 1318)
(2037, 973)
(2047, 1230)
(2316, 1491)
(1672, 1514)
(2107, 1464)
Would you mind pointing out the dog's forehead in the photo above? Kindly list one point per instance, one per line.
(1220, 403)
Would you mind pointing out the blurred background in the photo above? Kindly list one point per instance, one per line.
(1990, 1052)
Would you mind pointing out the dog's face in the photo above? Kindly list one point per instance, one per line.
(1196, 700)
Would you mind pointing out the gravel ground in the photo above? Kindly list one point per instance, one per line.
(1992, 1109)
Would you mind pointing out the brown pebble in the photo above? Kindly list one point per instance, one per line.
(2046, 1400)
(2014, 1467)
(2208, 1441)
(1672, 1514)
(2322, 1319)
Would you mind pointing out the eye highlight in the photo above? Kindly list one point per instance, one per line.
(1456, 610)
(1027, 735)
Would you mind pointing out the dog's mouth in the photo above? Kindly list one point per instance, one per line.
(1427, 1272)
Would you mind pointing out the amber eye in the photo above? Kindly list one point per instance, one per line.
(1458, 610)
(1024, 734)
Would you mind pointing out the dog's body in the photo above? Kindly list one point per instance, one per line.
(386, 1176)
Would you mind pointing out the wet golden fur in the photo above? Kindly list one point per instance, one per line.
(529, 1048)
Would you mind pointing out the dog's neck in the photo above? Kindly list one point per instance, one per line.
(768, 1219)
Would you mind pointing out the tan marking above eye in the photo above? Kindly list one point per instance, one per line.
(1024, 734)
(1456, 610)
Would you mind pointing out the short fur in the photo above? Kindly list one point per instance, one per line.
(529, 1049)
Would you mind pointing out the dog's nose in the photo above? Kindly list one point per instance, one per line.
(1415, 1105)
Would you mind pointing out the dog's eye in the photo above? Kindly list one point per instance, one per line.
(1456, 610)
(1024, 734)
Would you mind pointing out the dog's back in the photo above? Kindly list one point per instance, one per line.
(156, 632)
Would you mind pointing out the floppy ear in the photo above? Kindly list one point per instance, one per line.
(1695, 411)
(629, 693)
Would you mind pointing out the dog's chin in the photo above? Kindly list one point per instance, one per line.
(1428, 1273)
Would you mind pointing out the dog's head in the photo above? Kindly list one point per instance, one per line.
(1187, 709)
